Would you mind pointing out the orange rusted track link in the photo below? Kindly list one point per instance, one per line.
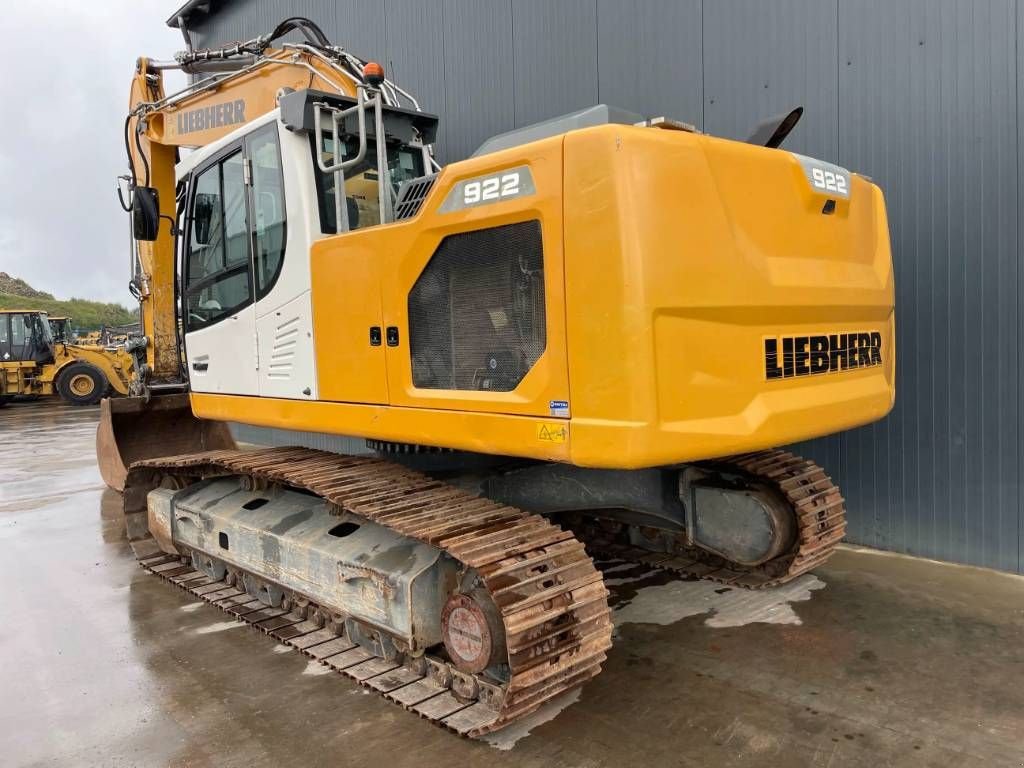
(552, 600)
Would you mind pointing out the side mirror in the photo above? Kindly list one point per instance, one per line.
(202, 214)
(145, 213)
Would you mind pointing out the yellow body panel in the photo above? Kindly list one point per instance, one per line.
(16, 378)
(363, 278)
(491, 433)
(683, 252)
(669, 258)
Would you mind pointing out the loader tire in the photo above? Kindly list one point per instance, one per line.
(4, 400)
(82, 384)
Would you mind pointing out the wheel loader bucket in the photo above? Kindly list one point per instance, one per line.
(132, 429)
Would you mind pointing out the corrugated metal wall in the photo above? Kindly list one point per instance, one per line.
(922, 95)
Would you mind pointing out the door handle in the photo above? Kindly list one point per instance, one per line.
(197, 366)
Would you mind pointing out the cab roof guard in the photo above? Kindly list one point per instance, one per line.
(298, 114)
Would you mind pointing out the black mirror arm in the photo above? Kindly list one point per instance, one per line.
(174, 228)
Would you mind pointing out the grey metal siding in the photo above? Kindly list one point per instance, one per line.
(414, 32)
(928, 108)
(762, 59)
(924, 96)
(650, 57)
(554, 57)
(1015, 374)
(478, 73)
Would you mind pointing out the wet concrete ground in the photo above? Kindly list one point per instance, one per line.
(875, 661)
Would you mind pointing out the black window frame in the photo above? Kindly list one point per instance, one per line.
(240, 147)
(36, 346)
(272, 129)
(188, 288)
(5, 345)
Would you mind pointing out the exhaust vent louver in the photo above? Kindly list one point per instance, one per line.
(476, 312)
(411, 196)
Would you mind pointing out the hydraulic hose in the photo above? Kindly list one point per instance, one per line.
(309, 30)
(131, 167)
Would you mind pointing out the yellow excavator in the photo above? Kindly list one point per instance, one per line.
(589, 338)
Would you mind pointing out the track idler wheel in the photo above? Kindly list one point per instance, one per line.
(473, 633)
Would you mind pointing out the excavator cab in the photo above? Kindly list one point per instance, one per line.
(246, 229)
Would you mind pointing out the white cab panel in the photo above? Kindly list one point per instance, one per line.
(303, 218)
(286, 359)
(284, 317)
(222, 357)
(266, 349)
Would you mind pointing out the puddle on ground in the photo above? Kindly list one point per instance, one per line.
(219, 626)
(643, 596)
(316, 668)
(506, 738)
(640, 595)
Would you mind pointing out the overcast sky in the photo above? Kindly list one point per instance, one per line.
(65, 69)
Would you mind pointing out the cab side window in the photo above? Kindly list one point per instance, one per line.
(217, 268)
(5, 337)
(268, 211)
(20, 333)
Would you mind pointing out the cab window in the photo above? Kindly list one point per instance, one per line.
(29, 339)
(217, 280)
(20, 334)
(268, 212)
(5, 337)
(361, 195)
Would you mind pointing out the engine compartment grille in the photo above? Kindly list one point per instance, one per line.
(476, 312)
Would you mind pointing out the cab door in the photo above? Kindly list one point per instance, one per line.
(218, 306)
(30, 340)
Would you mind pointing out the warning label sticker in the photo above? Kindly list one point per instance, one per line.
(553, 433)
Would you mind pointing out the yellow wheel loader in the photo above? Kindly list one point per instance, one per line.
(588, 338)
(32, 362)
